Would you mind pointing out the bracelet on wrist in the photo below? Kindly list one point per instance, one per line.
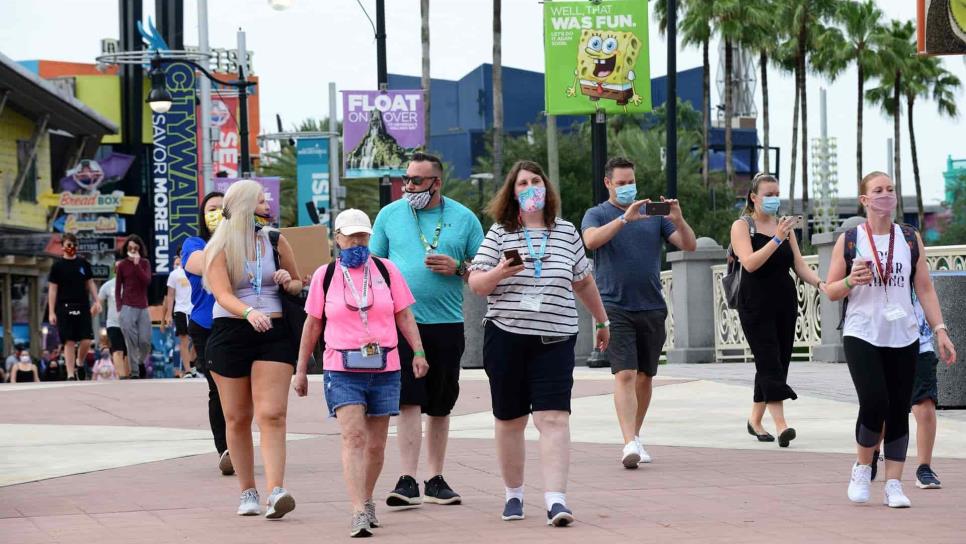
(623, 219)
(603, 325)
(778, 241)
(941, 327)
(419, 353)
(247, 311)
(847, 283)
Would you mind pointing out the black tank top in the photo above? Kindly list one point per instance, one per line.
(772, 284)
(25, 375)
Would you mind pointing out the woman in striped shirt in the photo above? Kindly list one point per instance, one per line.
(530, 266)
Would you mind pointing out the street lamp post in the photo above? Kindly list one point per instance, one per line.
(159, 99)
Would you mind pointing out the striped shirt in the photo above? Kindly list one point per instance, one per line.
(564, 263)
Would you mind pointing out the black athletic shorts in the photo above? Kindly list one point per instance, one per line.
(74, 321)
(116, 339)
(234, 345)
(636, 339)
(180, 324)
(527, 373)
(926, 386)
(436, 392)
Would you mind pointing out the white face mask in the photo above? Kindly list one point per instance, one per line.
(419, 200)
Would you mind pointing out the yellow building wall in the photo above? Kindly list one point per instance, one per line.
(24, 215)
(102, 93)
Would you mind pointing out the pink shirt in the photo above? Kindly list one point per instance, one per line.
(343, 328)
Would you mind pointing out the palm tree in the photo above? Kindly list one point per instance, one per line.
(424, 26)
(762, 35)
(695, 25)
(497, 92)
(862, 32)
(897, 53)
(927, 78)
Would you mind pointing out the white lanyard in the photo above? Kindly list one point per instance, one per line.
(360, 300)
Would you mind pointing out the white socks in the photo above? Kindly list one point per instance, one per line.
(554, 497)
(514, 493)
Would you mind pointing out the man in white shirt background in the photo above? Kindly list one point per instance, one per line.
(115, 337)
(179, 296)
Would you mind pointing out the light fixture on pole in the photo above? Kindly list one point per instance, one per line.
(159, 98)
(281, 5)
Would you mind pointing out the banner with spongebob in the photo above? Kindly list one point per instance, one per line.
(596, 57)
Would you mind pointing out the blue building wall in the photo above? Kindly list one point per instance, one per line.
(461, 111)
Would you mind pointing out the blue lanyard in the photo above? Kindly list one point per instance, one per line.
(537, 257)
(255, 278)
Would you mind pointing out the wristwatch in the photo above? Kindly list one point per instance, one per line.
(603, 325)
(461, 268)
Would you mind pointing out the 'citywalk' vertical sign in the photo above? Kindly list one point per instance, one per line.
(174, 171)
(312, 169)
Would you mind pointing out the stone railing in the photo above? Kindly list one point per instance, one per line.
(667, 287)
(730, 343)
(729, 340)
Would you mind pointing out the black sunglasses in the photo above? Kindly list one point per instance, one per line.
(417, 180)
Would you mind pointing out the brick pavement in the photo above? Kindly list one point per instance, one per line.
(688, 494)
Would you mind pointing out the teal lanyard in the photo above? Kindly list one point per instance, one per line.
(537, 257)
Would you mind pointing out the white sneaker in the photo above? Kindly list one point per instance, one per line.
(645, 457)
(631, 455)
(280, 502)
(860, 482)
(894, 497)
(248, 504)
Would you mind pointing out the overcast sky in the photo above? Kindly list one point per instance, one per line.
(298, 51)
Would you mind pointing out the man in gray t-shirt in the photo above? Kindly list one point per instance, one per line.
(628, 273)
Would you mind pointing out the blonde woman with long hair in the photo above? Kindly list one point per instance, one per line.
(250, 354)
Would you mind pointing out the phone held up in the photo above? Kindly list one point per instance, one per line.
(656, 208)
(513, 257)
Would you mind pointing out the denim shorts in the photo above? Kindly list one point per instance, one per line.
(377, 391)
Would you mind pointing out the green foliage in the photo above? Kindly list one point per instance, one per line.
(954, 231)
(282, 164)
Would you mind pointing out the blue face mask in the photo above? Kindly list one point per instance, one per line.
(626, 194)
(354, 257)
(771, 204)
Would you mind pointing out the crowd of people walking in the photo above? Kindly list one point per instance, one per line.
(386, 319)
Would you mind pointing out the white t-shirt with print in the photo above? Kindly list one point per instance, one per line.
(178, 281)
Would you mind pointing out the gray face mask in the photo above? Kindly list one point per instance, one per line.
(419, 200)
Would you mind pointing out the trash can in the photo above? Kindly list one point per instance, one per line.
(951, 288)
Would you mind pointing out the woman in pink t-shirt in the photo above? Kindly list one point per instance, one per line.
(360, 301)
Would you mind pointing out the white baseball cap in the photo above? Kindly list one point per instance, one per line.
(352, 221)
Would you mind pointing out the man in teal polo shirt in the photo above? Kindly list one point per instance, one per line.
(430, 239)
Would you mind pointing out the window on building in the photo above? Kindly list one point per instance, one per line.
(28, 191)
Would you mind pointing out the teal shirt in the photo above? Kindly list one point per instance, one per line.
(439, 298)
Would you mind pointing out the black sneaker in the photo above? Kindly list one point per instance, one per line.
(559, 516)
(875, 464)
(439, 492)
(926, 478)
(405, 494)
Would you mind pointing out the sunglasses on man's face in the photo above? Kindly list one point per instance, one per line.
(69, 246)
(417, 180)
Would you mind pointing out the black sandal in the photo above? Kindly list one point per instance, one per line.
(786, 437)
(761, 437)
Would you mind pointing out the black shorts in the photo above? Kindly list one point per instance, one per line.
(116, 339)
(926, 386)
(180, 324)
(199, 339)
(436, 392)
(234, 345)
(527, 373)
(74, 321)
(636, 339)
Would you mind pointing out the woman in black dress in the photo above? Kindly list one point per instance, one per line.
(767, 249)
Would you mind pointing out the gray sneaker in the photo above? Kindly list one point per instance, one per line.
(371, 514)
(248, 504)
(280, 502)
(360, 528)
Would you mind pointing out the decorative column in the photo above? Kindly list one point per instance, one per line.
(692, 302)
(830, 313)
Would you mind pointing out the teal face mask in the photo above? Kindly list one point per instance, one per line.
(626, 194)
(771, 205)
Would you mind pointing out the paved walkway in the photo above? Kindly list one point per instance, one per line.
(133, 462)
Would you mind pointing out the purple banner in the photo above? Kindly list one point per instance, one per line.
(381, 130)
(272, 191)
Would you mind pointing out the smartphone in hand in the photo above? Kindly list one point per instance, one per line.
(656, 208)
(513, 257)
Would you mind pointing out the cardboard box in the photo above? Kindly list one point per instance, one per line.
(311, 247)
